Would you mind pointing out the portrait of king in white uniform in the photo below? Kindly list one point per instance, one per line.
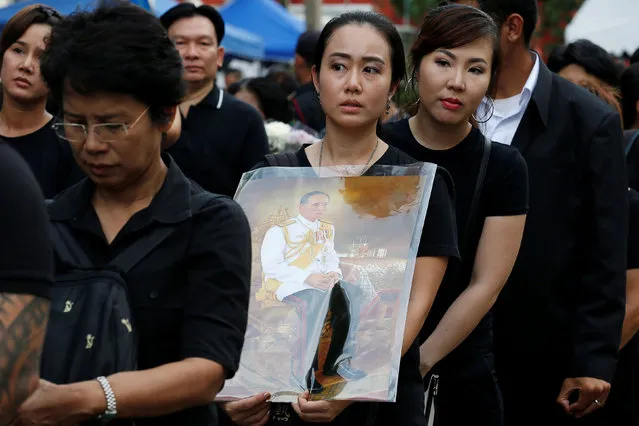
(301, 267)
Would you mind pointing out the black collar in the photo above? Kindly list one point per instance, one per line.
(172, 204)
(214, 99)
(541, 93)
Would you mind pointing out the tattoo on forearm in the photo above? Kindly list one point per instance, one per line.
(23, 322)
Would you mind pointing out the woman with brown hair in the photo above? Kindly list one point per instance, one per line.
(454, 62)
(25, 123)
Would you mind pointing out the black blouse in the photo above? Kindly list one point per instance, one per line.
(190, 295)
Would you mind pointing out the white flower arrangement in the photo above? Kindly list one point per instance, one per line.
(283, 137)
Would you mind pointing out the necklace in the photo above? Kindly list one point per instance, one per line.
(361, 172)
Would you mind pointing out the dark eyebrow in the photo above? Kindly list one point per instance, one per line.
(453, 56)
(365, 58)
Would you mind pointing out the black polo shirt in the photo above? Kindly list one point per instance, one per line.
(190, 295)
(221, 138)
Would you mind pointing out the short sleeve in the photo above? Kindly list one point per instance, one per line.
(439, 236)
(507, 183)
(217, 297)
(633, 234)
(26, 256)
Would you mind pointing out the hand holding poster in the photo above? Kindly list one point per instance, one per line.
(333, 261)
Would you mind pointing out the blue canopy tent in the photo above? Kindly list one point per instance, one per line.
(271, 21)
(236, 42)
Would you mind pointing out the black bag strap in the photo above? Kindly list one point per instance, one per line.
(282, 159)
(67, 248)
(140, 249)
(144, 246)
(479, 186)
(71, 253)
(630, 137)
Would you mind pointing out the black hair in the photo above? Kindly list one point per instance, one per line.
(284, 78)
(634, 58)
(594, 59)
(500, 10)
(380, 23)
(233, 88)
(629, 86)
(272, 99)
(307, 196)
(188, 10)
(117, 48)
(555, 60)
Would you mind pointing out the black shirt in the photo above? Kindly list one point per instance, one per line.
(26, 258)
(439, 238)
(221, 138)
(308, 109)
(50, 159)
(190, 295)
(505, 193)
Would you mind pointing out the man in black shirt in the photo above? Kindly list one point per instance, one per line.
(306, 102)
(26, 269)
(221, 137)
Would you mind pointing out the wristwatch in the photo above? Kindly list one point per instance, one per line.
(111, 411)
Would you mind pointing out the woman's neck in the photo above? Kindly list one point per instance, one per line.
(435, 135)
(137, 195)
(348, 146)
(19, 119)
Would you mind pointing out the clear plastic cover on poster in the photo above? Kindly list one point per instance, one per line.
(333, 262)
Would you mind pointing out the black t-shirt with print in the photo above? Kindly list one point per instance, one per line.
(50, 159)
(505, 193)
(439, 238)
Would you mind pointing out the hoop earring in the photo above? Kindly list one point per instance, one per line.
(388, 106)
(488, 116)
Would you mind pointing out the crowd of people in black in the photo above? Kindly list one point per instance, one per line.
(524, 306)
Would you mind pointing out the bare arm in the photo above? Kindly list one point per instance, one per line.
(429, 272)
(155, 392)
(496, 255)
(23, 321)
(631, 319)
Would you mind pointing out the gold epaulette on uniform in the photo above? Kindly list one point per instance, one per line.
(287, 223)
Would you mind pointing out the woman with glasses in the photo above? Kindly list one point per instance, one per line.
(188, 293)
(25, 124)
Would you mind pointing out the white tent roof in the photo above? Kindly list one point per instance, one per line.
(612, 24)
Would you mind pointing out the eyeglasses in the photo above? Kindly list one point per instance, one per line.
(106, 132)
